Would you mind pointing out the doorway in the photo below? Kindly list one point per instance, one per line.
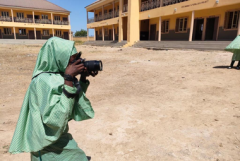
(66, 35)
(198, 29)
(31, 34)
(38, 34)
(96, 35)
(36, 17)
(0, 34)
(211, 28)
(125, 24)
(110, 34)
(153, 31)
(144, 32)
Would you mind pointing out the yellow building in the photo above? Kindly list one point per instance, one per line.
(186, 20)
(33, 19)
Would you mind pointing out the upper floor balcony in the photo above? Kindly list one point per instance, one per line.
(152, 4)
(35, 17)
(106, 16)
(6, 18)
(30, 20)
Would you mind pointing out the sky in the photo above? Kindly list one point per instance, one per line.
(78, 15)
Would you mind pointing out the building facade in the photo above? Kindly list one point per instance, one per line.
(33, 19)
(164, 20)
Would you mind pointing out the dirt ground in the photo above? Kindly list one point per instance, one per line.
(170, 105)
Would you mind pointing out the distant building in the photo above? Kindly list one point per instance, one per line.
(33, 19)
(160, 20)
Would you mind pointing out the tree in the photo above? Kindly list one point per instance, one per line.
(81, 33)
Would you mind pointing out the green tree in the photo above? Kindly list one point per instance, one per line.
(81, 33)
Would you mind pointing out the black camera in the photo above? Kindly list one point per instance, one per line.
(92, 65)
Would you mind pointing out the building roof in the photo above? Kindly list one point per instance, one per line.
(93, 3)
(32, 4)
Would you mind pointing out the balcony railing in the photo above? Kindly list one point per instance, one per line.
(98, 18)
(151, 4)
(116, 14)
(91, 20)
(108, 15)
(58, 22)
(148, 5)
(170, 2)
(125, 7)
(43, 21)
(23, 20)
(4, 18)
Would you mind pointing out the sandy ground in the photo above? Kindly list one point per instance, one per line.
(150, 105)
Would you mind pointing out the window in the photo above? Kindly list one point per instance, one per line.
(45, 17)
(231, 20)
(65, 19)
(5, 14)
(58, 33)
(20, 15)
(45, 32)
(22, 32)
(7, 31)
(100, 32)
(165, 26)
(181, 25)
(57, 18)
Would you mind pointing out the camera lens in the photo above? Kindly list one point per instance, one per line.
(93, 65)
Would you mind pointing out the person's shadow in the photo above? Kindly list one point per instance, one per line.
(89, 158)
(221, 67)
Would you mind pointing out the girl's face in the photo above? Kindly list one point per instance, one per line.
(72, 58)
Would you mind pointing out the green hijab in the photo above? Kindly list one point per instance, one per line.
(46, 110)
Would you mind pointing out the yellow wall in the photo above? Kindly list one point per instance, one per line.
(83, 39)
(202, 8)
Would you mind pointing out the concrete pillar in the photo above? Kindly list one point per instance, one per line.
(113, 33)
(191, 27)
(102, 12)
(87, 17)
(238, 26)
(53, 32)
(52, 18)
(161, 3)
(35, 34)
(87, 34)
(160, 29)
(70, 34)
(103, 33)
(204, 29)
(12, 15)
(33, 17)
(69, 19)
(14, 31)
(113, 9)
(94, 16)
(120, 30)
(133, 32)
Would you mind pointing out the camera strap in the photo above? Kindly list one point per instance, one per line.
(72, 95)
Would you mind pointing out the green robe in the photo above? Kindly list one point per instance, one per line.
(236, 56)
(234, 47)
(42, 126)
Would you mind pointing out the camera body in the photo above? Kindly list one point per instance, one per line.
(92, 65)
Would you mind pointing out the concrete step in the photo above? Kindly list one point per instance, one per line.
(106, 43)
(197, 45)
